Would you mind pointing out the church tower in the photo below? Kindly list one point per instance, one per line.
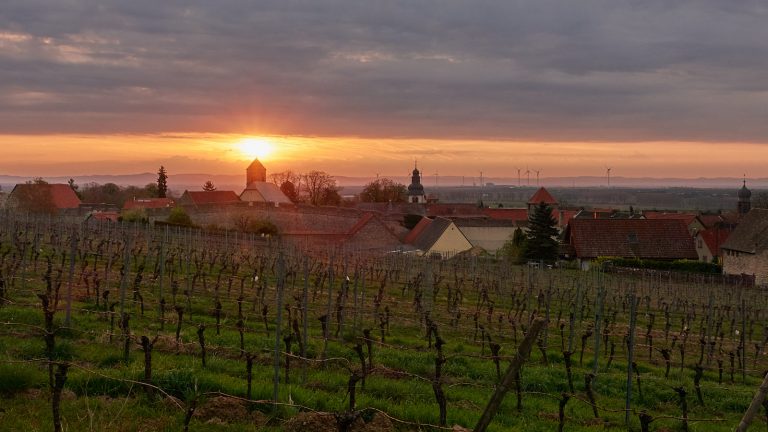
(415, 189)
(256, 172)
(745, 199)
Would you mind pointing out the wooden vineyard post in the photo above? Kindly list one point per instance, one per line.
(305, 314)
(754, 406)
(278, 327)
(326, 329)
(633, 301)
(743, 340)
(125, 272)
(600, 299)
(514, 368)
(72, 255)
(162, 273)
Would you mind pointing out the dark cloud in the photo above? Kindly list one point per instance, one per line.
(530, 69)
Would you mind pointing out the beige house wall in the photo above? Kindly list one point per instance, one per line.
(452, 241)
(705, 255)
(489, 238)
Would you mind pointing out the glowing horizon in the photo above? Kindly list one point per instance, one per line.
(76, 155)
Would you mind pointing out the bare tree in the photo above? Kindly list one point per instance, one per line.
(320, 187)
(383, 190)
(280, 178)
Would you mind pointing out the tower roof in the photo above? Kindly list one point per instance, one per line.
(542, 195)
(256, 164)
(744, 193)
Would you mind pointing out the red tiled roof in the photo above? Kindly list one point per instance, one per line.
(512, 214)
(212, 197)
(567, 215)
(62, 196)
(712, 220)
(631, 238)
(686, 217)
(542, 195)
(714, 238)
(148, 203)
(458, 209)
(417, 230)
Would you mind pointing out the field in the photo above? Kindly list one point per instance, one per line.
(135, 328)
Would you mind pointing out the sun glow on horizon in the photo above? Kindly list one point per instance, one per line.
(255, 148)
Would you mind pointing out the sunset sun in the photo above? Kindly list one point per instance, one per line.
(255, 148)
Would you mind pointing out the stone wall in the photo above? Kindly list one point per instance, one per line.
(738, 263)
(288, 220)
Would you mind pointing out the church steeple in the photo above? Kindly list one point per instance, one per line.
(256, 172)
(415, 189)
(745, 199)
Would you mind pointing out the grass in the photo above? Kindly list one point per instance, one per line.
(106, 394)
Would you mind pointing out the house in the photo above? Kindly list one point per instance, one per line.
(709, 243)
(691, 220)
(488, 234)
(746, 250)
(518, 216)
(263, 192)
(43, 197)
(660, 239)
(203, 199)
(542, 196)
(368, 234)
(148, 203)
(371, 233)
(437, 236)
(258, 190)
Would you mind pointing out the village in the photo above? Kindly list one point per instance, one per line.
(416, 222)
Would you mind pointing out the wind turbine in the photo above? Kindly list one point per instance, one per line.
(518, 178)
(608, 175)
(436, 177)
(537, 176)
(528, 176)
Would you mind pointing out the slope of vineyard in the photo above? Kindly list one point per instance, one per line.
(134, 328)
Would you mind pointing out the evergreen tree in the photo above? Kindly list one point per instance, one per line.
(541, 243)
(162, 182)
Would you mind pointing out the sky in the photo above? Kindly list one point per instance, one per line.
(655, 88)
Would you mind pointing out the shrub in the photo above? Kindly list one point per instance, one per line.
(179, 216)
(134, 216)
(264, 227)
(688, 266)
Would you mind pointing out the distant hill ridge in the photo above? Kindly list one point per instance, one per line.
(237, 181)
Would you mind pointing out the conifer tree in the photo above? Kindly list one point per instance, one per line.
(162, 182)
(209, 186)
(541, 242)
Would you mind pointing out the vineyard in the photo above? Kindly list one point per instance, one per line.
(138, 328)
